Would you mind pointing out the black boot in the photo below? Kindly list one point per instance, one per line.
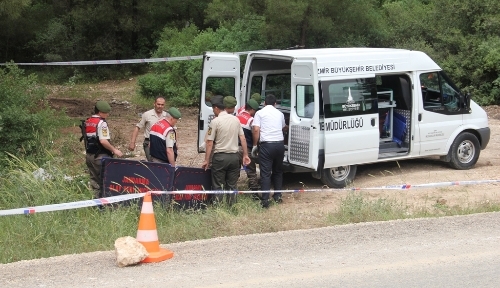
(255, 196)
(264, 203)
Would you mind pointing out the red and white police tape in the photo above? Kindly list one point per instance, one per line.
(118, 62)
(71, 205)
(120, 198)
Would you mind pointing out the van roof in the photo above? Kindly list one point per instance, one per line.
(348, 61)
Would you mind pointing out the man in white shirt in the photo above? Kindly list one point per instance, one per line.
(148, 118)
(267, 128)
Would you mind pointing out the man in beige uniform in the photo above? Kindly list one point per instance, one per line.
(148, 118)
(225, 129)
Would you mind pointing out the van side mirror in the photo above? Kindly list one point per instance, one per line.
(466, 100)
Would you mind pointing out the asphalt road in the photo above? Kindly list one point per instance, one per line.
(459, 251)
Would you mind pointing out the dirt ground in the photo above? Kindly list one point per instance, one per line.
(124, 116)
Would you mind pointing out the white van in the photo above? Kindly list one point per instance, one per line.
(367, 105)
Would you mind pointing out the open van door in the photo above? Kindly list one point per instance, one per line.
(221, 76)
(303, 142)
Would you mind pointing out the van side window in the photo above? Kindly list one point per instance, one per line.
(349, 97)
(438, 94)
(279, 86)
(219, 86)
(256, 85)
(305, 101)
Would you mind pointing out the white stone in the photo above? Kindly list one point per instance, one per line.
(129, 251)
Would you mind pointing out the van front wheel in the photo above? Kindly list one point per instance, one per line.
(464, 151)
(338, 177)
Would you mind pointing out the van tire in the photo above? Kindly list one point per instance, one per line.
(464, 151)
(338, 177)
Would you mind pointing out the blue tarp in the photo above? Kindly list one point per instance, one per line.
(399, 128)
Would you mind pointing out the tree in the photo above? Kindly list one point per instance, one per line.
(309, 23)
(19, 24)
(461, 36)
(180, 81)
(11, 9)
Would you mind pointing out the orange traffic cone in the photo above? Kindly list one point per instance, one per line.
(147, 234)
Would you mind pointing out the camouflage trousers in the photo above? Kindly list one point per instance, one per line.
(93, 163)
(251, 170)
(147, 152)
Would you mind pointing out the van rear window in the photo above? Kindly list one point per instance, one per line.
(349, 97)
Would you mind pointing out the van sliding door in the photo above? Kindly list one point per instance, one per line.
(221, 76)
(303, 148)
(351, 124)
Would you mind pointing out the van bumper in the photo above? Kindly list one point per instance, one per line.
(484, 134)
(290, 168)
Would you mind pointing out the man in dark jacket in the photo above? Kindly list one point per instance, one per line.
(246, 118)
(98, 146)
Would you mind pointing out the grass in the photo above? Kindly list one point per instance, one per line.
(87, 229)
(125, 91)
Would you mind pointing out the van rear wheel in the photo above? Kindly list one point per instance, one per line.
(338, 177)
(464, 151)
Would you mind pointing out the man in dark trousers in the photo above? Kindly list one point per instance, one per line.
(267, 128)
(225, 130)
(246, 118)
(97, 145)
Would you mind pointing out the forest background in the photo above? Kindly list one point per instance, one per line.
(462, 36)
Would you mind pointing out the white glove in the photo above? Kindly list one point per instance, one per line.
(202, 147)
(255, 151)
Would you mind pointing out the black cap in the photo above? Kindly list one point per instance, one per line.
(217, 100)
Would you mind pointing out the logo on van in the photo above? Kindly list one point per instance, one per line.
(350, 104)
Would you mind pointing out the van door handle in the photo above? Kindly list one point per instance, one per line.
(419, 117)
(373, 122)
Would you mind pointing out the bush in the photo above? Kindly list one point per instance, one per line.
(26, 120)
(466, 48)
(179, 81)
(151, 85)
